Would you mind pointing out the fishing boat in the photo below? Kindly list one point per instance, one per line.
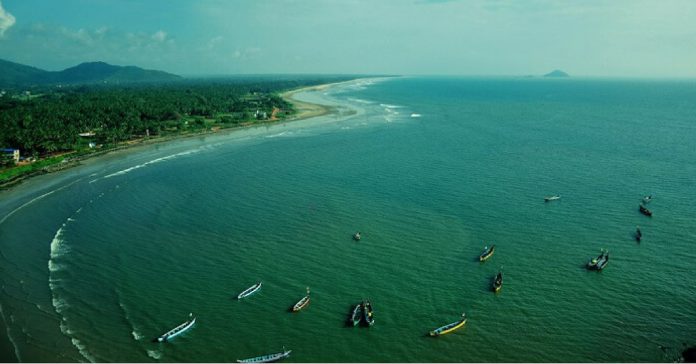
(487, 253)
(177, 330)
(449, 327)
(600, 262)
(267, 358)
(355, 315)
(356, 236)
(647, 199)
(639, 234)
(367, 313)
(498, 282)
(551, 198)
(301, 303)
(249, 291)
(644, 210)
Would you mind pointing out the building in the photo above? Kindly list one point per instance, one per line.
(10, 153)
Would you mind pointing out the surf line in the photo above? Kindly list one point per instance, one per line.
(36, 199)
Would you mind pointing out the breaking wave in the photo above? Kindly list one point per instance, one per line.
(154, 161)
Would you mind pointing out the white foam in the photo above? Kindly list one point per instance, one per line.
(390, 106)
(137, 335)
(9, 336)
(360, 100)
(154, 354)
(158, 160)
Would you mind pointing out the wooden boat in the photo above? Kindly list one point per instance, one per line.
(644, 210)
(498, 282)
(267, 358)
(177, 330)
(600, 262)
(367, 313)
(449, 327)
(639, 234)
(487, 253)
(249, 291)
(355, 315)
(356, 236)
(301, 303)
(551, 198)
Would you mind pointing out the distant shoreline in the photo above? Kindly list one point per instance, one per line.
(304, 110)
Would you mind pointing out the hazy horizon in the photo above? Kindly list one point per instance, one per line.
(654, 39)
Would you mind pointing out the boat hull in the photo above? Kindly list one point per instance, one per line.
(249, 291)
(444, 330)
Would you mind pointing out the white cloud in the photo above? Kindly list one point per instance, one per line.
(160, 36)
(7, 20)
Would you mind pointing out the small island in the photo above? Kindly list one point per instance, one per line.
(556, 73)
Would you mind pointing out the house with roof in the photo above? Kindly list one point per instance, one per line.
(10, 153)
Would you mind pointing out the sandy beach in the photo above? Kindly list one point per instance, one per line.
(304, 110)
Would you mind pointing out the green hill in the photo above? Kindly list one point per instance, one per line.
(18, 75)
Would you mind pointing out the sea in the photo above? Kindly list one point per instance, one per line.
(99, 259)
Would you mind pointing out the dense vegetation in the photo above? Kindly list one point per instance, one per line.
(51, 119)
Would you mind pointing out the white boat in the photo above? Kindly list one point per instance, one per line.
(301, 303)
(249, 291)
(177, 330)
(551, 198)
(267, 358)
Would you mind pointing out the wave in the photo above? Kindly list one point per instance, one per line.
(157, 160)
(414, 115)
(154, 354)
(60, 305)
(37, 198)
(360, 100)
(388, 106)
(9, 335)
(279, 134)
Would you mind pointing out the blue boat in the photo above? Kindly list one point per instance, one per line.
(177, 330)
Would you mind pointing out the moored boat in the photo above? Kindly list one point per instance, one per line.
(644, 210)
(355, 315)
(487, 253)
(177, 330)
(301, 303)
(639, 234)
(357, 236)
(249, 291)
(647, 199)
(498, 282)
(367, 313)
(600, 262)
(267, 358)
(551, 198)
(449, 327)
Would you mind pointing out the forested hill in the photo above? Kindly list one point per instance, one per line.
(18, 75)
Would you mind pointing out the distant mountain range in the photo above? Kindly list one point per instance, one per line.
(557, 73)
(18, 75)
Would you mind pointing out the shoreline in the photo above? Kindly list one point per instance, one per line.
(304, 110)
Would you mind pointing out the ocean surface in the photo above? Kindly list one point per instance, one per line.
(98, 260)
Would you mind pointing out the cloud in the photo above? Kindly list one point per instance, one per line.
(7, 20)
(160, 36)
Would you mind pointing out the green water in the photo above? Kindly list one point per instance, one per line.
(114, 253)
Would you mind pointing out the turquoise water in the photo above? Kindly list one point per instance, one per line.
(98, 260)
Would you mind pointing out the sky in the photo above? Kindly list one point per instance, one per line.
(612, 38)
